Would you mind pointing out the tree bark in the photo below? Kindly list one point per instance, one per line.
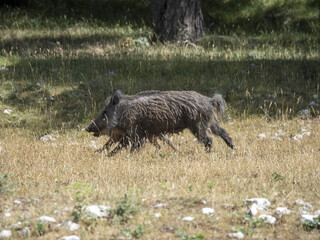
(178, 20)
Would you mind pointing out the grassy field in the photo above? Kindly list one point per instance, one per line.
(55, 75)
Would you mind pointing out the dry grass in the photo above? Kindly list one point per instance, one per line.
(181, 179)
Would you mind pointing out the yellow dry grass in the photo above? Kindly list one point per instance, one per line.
(279, 170)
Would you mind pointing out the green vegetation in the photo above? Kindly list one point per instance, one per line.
(58, 65)
(56, 72)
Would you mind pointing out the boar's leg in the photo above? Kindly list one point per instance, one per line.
(137, 139)
(153, 140)
(167, 141)
(200, 131)
(106, 146)
(219, 131)
(124, 142)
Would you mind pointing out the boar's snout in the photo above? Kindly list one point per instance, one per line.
(93, 128)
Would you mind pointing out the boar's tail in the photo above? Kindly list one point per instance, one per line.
(220, 104)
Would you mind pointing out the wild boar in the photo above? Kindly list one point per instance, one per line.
(130, 120)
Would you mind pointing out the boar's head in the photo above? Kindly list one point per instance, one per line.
(107, 120)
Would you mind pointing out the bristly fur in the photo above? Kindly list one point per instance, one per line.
(155, 113)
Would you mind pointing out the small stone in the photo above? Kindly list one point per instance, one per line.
(253, 210)
(45, 219)
(69, 225)
(15, 225)
(4, 69)
(208, 211)
(8, 111)
(17, 202)
(308, 218)
(305, 112)
(5, 234)
(47, 138)
(7, 214)
(0, 149)
(268, 218)
(280, 211)
(99, 211)
(93, 145)
(143, 199)
(262, 203)
(157, 215)
(261, 136)
(160, 205)
(204, 202)
(38, 84)
(306, 207)
(73, 237)
(312, 103)
(237, 235)
(25, 232)
(188, 219)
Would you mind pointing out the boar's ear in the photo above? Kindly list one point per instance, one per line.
(115, 99)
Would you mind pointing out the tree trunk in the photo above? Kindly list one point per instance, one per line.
(178, 20)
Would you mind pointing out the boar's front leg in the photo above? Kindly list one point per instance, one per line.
(105, 146)
(124, 142)
(200, 131)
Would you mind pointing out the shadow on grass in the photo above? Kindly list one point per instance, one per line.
(66, 93)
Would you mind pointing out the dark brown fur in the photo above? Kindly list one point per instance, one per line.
(152, 114)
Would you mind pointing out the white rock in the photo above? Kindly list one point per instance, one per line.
(306, 133)
(7, 214)
(38, 84)
(160, 205)
(25, 232)
(5, 234)
(237, 235)
(204, 202)
(17, 202)
(305, 112)
(69, 225)
(208, 211)
(99, 211)
(253, 210)
(7, 111)
(268, 218)
(0, 149)
(73, 237)
(15, 225)
(25, 215)
(93, 145)
(157, 215)
(312, 103)
(262, 203)
(188, 219)
(47, 138)
(143, 199)
(195, 140)
(262, 136)
(280, 211)
(308, 218)
(306, 207)
(46, 219)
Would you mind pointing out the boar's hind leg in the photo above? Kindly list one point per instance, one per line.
(124, 142)
(201, 133)
(219, 131)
